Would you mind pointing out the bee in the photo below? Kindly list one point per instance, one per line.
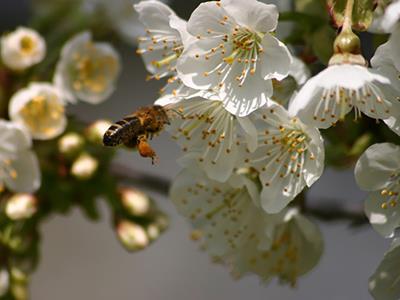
(136, 129)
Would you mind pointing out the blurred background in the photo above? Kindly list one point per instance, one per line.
(83, 260)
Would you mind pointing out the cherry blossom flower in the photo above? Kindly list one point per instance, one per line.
(234, 53)
(22, 49)
(86, 70)
(21, 206)
(209, 135)
(334, 92)
(19, 167)
(290, 155)
(378, 171)
(40, 109)
(237, 232)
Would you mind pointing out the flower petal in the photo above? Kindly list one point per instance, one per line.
(276, 58)
(254, 14)
(376, 165)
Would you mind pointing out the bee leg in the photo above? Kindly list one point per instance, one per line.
(145, 149)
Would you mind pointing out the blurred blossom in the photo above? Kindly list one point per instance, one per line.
(19, 167)
(4, 282)
(21, 206)
(22, 49)
(40, 109)
(84, 166)
(378, 171)
(384, 284)
(132, 236)
(95, 131)
(234, 53)
(86, 70)
(134, 201)
(290, 156)
(386, 17)
(70, 144)
(238, 232)
(153, 232)
(123, 18)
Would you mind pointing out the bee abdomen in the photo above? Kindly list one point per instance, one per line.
(120, 132)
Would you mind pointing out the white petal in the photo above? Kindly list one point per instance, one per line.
(276, 58)
(154, 14)
(251, 132)
(376, 165)
(28, 177)
(384, 220)
(208, 16)
(253, 14)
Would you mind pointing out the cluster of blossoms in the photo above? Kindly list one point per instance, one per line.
(85, 71)
(247, 119)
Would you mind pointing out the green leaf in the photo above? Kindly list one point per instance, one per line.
(362, 13)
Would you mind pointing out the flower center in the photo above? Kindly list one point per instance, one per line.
(42, 114)
(27, 45)
(7, 170)
(246, 47)
(293, 141)
(336, 102)
(391, 193)
(92, 71)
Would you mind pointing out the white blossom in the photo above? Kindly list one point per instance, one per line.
(40, 109)
(162, 46)
(87, 71)
(384, 284)
(209, 135)
(234, 53)
(237, 232)
(386, 18)
(21, 206)
(334, 92)
(19, 167)
(132, 236)
(378, 171)
(22, 49)
(290, 155)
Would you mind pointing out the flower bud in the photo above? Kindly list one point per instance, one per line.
(134, 201)
(96, 130)
(4, 282)
(153, 232)
(70, 144)
(22, 49)
(40, 109)
(84, 167)
(21, 206)
(132, 236)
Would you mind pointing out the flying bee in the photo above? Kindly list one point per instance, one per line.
(136, 129)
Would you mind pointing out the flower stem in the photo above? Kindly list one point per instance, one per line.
(348, 16)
